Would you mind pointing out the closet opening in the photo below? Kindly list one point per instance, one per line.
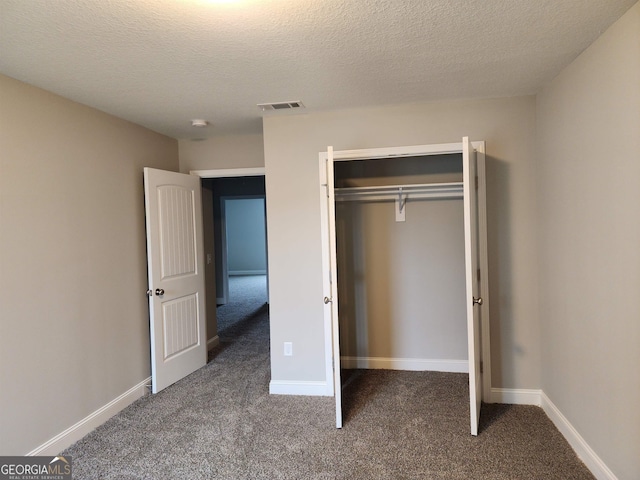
(236, 254)
(401, 284)
(401, 235)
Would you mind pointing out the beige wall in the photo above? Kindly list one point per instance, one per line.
(231, 151)
(74, 325)
(402, 284)
(291, 146)
(589, 226)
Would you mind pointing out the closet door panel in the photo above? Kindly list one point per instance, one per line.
(473, 300)
(332, 301)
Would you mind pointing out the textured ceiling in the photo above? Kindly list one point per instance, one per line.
(161, 63)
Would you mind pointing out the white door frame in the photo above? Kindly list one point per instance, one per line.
(409, 151)
(223, 219)
(228, 173)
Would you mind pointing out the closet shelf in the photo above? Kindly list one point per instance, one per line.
(394, 192)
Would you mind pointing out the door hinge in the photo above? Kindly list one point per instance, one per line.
(481, 367)
(478, 274)
(476, 182)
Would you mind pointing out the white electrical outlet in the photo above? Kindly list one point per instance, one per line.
(288, 349)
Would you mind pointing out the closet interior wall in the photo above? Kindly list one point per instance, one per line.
(401, 284)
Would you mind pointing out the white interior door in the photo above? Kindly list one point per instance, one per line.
(473, 299)
(175, 252)
(331, 300)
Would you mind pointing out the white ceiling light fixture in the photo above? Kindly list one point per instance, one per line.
(199, 123)
(265, 107)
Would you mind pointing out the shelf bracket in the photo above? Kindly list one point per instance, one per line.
(400, 206)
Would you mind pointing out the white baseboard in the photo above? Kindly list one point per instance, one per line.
(239, 273)
(414, 364)
(74, 433)
(516, 396)
(213, 342)
(286, 387)
(582, 449)
(519, 396)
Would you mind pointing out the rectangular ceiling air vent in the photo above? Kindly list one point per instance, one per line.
(280, 106)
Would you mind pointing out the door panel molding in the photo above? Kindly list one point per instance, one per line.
(175, 261)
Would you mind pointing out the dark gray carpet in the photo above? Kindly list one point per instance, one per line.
(247, 295)
(221, 423)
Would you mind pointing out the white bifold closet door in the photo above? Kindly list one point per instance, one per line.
(473, 298)
(470, 199)
(331, 301)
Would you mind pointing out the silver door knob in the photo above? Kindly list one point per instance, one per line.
(159, 292)
(477, 301)
(327, 300)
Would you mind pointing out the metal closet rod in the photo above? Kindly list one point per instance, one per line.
(399, 192)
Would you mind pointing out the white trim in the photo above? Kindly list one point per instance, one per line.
(593, 462)
(224, 243)
(240, 273)
(85, 426)
(516, 396)
(292, 387)
(230, 172)
(414, 364)
(224, 173)
(405, 151)
(213, 342)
